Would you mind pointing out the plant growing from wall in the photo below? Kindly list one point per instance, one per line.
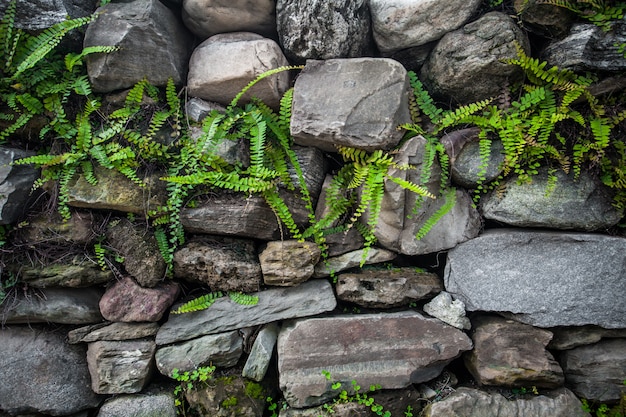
(188, 381)
(205, 301)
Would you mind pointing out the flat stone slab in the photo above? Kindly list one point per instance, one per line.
(543, 278)
(308, 299)
(393, 350)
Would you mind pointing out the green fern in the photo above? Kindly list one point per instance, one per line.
(198, 304)
(244, 299)
(450, 201)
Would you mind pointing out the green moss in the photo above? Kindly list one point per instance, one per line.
(229, 402)
(254, 390)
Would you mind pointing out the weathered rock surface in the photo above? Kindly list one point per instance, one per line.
(127, 301)
(583, 204)
(511, 354)
(448, 310)
(545, 279)
(475, 53)
(470, 402)
(42, 374)
(544, 19)
(387, 288)
(230, 396)
(139, 247)
(565, 338)
(16, 182)
(393, 350)
(51, 229)
(221, 350)
(307, 299)
(318, 29)
(140, 28)
(54, 305)
(41, 14)
(355, 102)
(206, 18)
(79, 271)
(197, 109)
(122, 367)
(147, 404)
(596, 372)
(352, 260)
(398, 24)
(288, 262)
(112, 331)
(224, 264)
(248, 55)
(261, 353)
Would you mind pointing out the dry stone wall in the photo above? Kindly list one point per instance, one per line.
(524, 291)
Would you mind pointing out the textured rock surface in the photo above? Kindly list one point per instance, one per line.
(140, 28)
(399, 24)
(393, 350)
(112, 331)
(511, 354)
(373, 103)
(307, 299)
(352, 260)
(544, 19)
(41, 14)
(475, 53)
(248, 55)
(230, 396)
(46, 374)
(146, 404)
(122, 367)
(596, 372)
(545, 279)
(448, 310)
(261, 353)
(470, 402)
(383, 288)
(318, 29)
(565, 338)
(79, 271)
(16, 182)
(288, 262)
(583, 204)
(51, 229)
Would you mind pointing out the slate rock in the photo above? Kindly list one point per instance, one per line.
(46, 374)
(583, 204)
(318, 29)
(206, 18)
(248, 55)
(122, 367)
(222, 350)
(307, 299)
(79, 271)
(541, 278)
(288, 262)
(398, 24)
(261, 353)
(126, 301)
(229, 396)
(352, 260)
(565, 338)
(511, 354)
(356, 102)
(475, 52)
(471, 402)
(54, 305)
(596, 372)
(387, 288)
(16, 182)
(36, 15)
(449, 311)
(393, 350)
(224, 264)
(112, 332)
(197, 109)
(149, 403)
(140, 28)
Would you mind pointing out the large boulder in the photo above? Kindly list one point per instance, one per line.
(356, 102)
(16, 182)
(542, 278)
(35, 15)
(141, 29)
(319, 29)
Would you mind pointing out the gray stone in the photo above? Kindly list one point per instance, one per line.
(141, 29)
(548, 20)
(209, 17)
(387, 288)
(229, 396)
(248, 55)
(570, 337)
(35, 15)
(542, 278)
(122, 367)
(511, 354)
(356, 102)
(318, 29)
(140, 249)
(146, 404)
(222, 350)
(475, 52)
(583, 204)
(307, 299)
(393, 350)
(224, 264)
(16, 182)
(399, 24)
(449, 311)
(471, 402)
(261, 353)
(79, 271)
(288, 262)
(231, 151)
(197, 109)
(352, 260)
(54, 305)
(42, 374)
(596, 372)
(112, 332)
(126, 301)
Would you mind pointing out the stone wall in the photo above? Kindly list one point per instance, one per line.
(513, 307)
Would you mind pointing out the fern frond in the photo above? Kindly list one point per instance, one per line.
(423, 99)
(450, 201)
(198, 304)
(243, 299)
(266, 74)
(459, 115)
